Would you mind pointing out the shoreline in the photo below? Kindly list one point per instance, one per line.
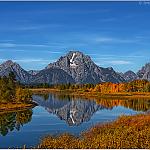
(132, 95)
(9, 107)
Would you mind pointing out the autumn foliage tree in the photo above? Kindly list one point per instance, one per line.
(134, 86)
(23, 95)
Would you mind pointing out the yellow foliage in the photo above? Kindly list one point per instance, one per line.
(23, 95)
(126, 132)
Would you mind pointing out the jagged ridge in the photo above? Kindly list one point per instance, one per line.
(75, 67)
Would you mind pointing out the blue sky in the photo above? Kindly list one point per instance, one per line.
(114, 34)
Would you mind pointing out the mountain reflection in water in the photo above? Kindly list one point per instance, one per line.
(73, 111)
(76, 111)
(57, 114)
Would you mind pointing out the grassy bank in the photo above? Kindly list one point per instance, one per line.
(87, 94)
(15, 106)
(125, 132)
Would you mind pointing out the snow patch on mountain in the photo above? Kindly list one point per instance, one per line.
(72, 63)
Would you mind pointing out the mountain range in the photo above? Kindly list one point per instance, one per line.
(74, 67)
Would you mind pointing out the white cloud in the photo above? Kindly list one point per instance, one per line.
(38, 27)
(8, 45)
(104, 39)
(12, 50)
(119, 62)
(12, 45)
(54, 52)
(30, 60)
(97, 56)
(32, 45)
(53, 45)
(115, 40)
(29, 27)
(108, 19)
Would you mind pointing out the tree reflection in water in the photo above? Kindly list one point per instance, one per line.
(134, 104)
(14, 120)
(137, 104)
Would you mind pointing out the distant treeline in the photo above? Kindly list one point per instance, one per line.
(12, 91)
(61, 86)
(134, 86)
(106, 87)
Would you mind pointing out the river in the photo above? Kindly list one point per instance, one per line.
(57, 114)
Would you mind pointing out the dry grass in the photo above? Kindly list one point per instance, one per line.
(126, 132)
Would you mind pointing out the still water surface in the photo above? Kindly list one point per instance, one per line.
(57, 114)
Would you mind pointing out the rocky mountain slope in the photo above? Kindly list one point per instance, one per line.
(84, 70)
(52, 76)
(144, 72)
(129, 76)
(33, 72)
(21, 75)
(75, 67)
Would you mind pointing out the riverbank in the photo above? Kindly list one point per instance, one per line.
(8, 107)
(125, 133)
(86, 94)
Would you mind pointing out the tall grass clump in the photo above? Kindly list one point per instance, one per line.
(126, 132)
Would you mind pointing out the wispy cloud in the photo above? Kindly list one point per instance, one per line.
(30, 60)
(116, 40)
(104, 39)
(56, 45)
(7, 45)
(107, 19)
(37, 27)
(97, 56)
(12, 50)
(119, 62)
(13, 45)
(29, 27)
(116, 59)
